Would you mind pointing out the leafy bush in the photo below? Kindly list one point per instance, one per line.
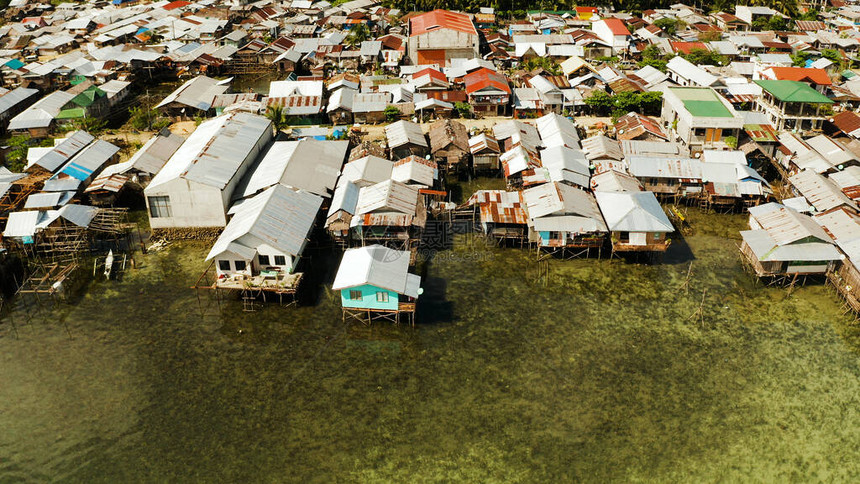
(391, 113)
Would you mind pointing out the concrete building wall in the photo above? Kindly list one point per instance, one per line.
(456, 44)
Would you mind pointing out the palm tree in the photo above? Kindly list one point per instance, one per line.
(277, 116)
(357, 35)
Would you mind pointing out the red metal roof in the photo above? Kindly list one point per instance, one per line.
(433, 73)
(483, 78)
(176, 4)
(616, 26)
(687, 47)
(847, 121)
(802, 74)
(441, 19)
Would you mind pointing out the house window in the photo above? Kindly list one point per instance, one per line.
(657, 235)
(355, 295)
(224, 265)
(263, 259)
(381, 296)
(280, 260)
(159, 206)
(240, 265)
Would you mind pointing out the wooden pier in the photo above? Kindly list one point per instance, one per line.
(368, 316)
(284, 287)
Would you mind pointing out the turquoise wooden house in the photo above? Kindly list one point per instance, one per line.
(375, 283)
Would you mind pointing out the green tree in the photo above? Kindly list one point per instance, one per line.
(799, 59)
(706, 57)
(17, 154)
(651, 52)
(277, 116)
(832, 55)
(544, 63)
(141, 118)
(658, 64)
(626, 101)
(391, 113)
(651, 102)
(357, 34)
(731, 142)
(464, 110)
(668, 25)
(600, 102)
(93, 126)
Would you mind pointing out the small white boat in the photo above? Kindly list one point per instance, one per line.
(108, 264)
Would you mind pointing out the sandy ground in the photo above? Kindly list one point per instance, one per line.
(183, 128)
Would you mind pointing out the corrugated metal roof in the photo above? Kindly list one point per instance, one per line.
(558, 199)
(215, 151)
(43, 200)
(551, 125)
(388, 196)
(415, 170)
(786, 225)
(279, 217)
(62, 152)
(89, 160)
(517, 160)
(654, 167)
(311, 165)
(368, 170)
(652, 148)
(600, 146)
(563, 158)
(12, 98)
(615, 181)
(405, 132)
(831, 150)
(500, 207)
(633, 212)
(21, 224)
(483, 142)
(766, 248)
(378, 266)
(345, 198)
(820, 192)
(155, 152)
(42, 113)
(724, 156)
(197, 93)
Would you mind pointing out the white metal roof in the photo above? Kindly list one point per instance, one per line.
(822, 193)
(213, 153)
(367, 170)
(197, 93)
(279, 217)
(405, 132)
(42, 113)
(378, 266)
(345, 198)
(311, 165)
(62, 152)
(388, 196)
(785, 225)
(633, 212)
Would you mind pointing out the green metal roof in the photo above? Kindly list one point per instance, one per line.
(88, 97)
(793, 92)
(702, 102)
(73, 113)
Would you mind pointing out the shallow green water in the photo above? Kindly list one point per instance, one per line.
(596, 373)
